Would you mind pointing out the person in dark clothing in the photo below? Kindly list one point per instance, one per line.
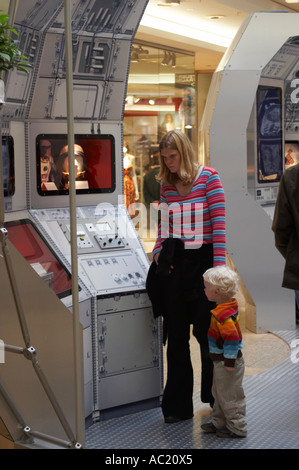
(151, 187)
(286, 229)
(151, 195)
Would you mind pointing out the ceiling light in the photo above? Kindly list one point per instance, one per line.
(169, 3)
(136, 51)
(215, 17)
(134, 57)
(173, 60)
(129, 100)
(292, 1)
(152, 79)
(166, 58)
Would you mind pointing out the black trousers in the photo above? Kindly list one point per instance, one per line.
(186, 304)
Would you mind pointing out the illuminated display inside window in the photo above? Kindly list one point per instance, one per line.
(8, 165)
(94, 164)
(269, 134)
(291, 153)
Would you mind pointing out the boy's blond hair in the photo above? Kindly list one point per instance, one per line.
(224, 279)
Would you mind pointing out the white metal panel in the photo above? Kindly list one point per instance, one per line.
(50, 328)
(250, 240)
(228, 136)
(258, 40)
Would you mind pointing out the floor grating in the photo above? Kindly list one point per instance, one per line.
(272, 416)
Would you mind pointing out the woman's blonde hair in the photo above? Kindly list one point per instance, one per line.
(177, 140)
(224, 279)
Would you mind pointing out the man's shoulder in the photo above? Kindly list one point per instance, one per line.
(292, 169)
(291, 174)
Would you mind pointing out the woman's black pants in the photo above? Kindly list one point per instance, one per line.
(187, 304)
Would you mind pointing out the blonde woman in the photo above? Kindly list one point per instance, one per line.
(193, 214)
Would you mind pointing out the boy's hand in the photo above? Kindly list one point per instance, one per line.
(229, 369)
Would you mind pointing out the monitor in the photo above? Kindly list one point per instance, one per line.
(94, 164)
(269, 134)
(8, 165)
(34, 248)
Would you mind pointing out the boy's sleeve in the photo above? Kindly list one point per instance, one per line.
(231, 341)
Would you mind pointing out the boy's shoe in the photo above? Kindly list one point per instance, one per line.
(226, 433)
(209, 427)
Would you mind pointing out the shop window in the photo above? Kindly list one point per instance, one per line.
(160, 97)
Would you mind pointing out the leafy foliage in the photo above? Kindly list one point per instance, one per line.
(10, 55)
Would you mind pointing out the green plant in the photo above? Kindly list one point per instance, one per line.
(10, 55)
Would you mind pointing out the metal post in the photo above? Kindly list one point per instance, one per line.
(1, 180)
(78, 353)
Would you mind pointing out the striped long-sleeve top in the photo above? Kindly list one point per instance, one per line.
(197, 218)
(224, 335)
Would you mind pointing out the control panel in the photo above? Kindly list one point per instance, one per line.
(267, 195)
(114, 272)
(94, 236)
(111, 258)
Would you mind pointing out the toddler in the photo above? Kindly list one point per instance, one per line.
(225, 344)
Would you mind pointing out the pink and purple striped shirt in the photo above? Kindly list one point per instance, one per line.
(197, 218)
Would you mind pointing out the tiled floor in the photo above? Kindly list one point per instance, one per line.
(271, 385)
(261, 352)
(272, 402)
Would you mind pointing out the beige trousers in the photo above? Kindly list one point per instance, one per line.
(230, 406)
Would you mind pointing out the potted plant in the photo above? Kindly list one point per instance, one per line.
(10, 55)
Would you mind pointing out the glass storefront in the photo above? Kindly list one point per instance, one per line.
(160, 97)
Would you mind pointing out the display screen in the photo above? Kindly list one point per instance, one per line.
(27, 240)
(8, 165)
(94, 156)
(269, 134)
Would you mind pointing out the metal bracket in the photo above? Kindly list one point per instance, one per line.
(3, 235)
(38, 435)
(30, 354)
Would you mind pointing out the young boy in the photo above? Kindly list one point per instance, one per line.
(225, 344)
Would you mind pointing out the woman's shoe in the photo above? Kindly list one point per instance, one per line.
(176, 419)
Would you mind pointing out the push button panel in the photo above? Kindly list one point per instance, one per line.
(120, 272)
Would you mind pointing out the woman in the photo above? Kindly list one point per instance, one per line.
(193, 211)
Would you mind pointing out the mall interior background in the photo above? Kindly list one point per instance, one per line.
(170, 73)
